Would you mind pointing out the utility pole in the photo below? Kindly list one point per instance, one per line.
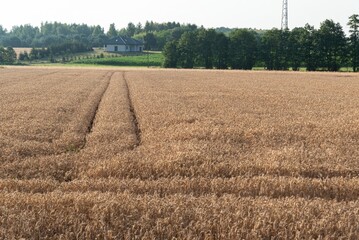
(285, 15)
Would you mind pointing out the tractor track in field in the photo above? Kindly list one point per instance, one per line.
(136, 125)
(92, 112)
(133, 116)
(88, 117)
(93, 116)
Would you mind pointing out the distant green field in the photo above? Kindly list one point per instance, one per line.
(144, 60)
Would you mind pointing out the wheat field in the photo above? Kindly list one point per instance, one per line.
(178, 154)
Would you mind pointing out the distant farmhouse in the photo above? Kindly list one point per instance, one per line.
(124, 44)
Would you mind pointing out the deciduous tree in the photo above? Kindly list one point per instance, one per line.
(112, 32)
(220, 51)
(243, 48)
(310, 48)
(187, 49)
(296, 45)
(332, 43)
(206, 44)
(170, 53)
(131, 29)
(270, 49)
(354, 40)
(150, 41)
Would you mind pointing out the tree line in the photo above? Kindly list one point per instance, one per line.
(54, 50)
(188, 46)
(326, 48)
(93, 36)
(60, 39)
(51, 34)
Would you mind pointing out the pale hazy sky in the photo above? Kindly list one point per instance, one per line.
(260, 14)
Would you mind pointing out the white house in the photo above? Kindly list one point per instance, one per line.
(124, 44)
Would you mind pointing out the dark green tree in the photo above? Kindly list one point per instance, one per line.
(220, 51)
(309, 42)
(170, 53)
(98, 37)
(98, 31)
(296, 47)
(24, 56)
(139, 28)
(150, 41)
(26, 33)
(275, 49)
(187, 47)
(112, 32)
(12, 41)
(332, 45)
(10, 55)
(176, 33)
(354, 41)
(162, 37)
(149, 26)
(270, 49)
(2, 55)
(284, 53)
(7, 56)
(131, 29)
(205, 43)
(2, 33)
(243, 48)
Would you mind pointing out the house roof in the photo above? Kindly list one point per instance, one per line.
(122, 40)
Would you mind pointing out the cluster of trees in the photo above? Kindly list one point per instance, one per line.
(155, 35)
(7, 55)
(188, 46)
(326, 48)
(62, 49)
(93, 36)
(52, 33)
(132, 30)
(199, 47)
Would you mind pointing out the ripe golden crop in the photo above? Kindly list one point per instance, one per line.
(178, 154)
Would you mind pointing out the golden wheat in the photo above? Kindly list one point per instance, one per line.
(46, 112)
(178, 154)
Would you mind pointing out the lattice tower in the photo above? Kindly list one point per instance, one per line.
(285, 15)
